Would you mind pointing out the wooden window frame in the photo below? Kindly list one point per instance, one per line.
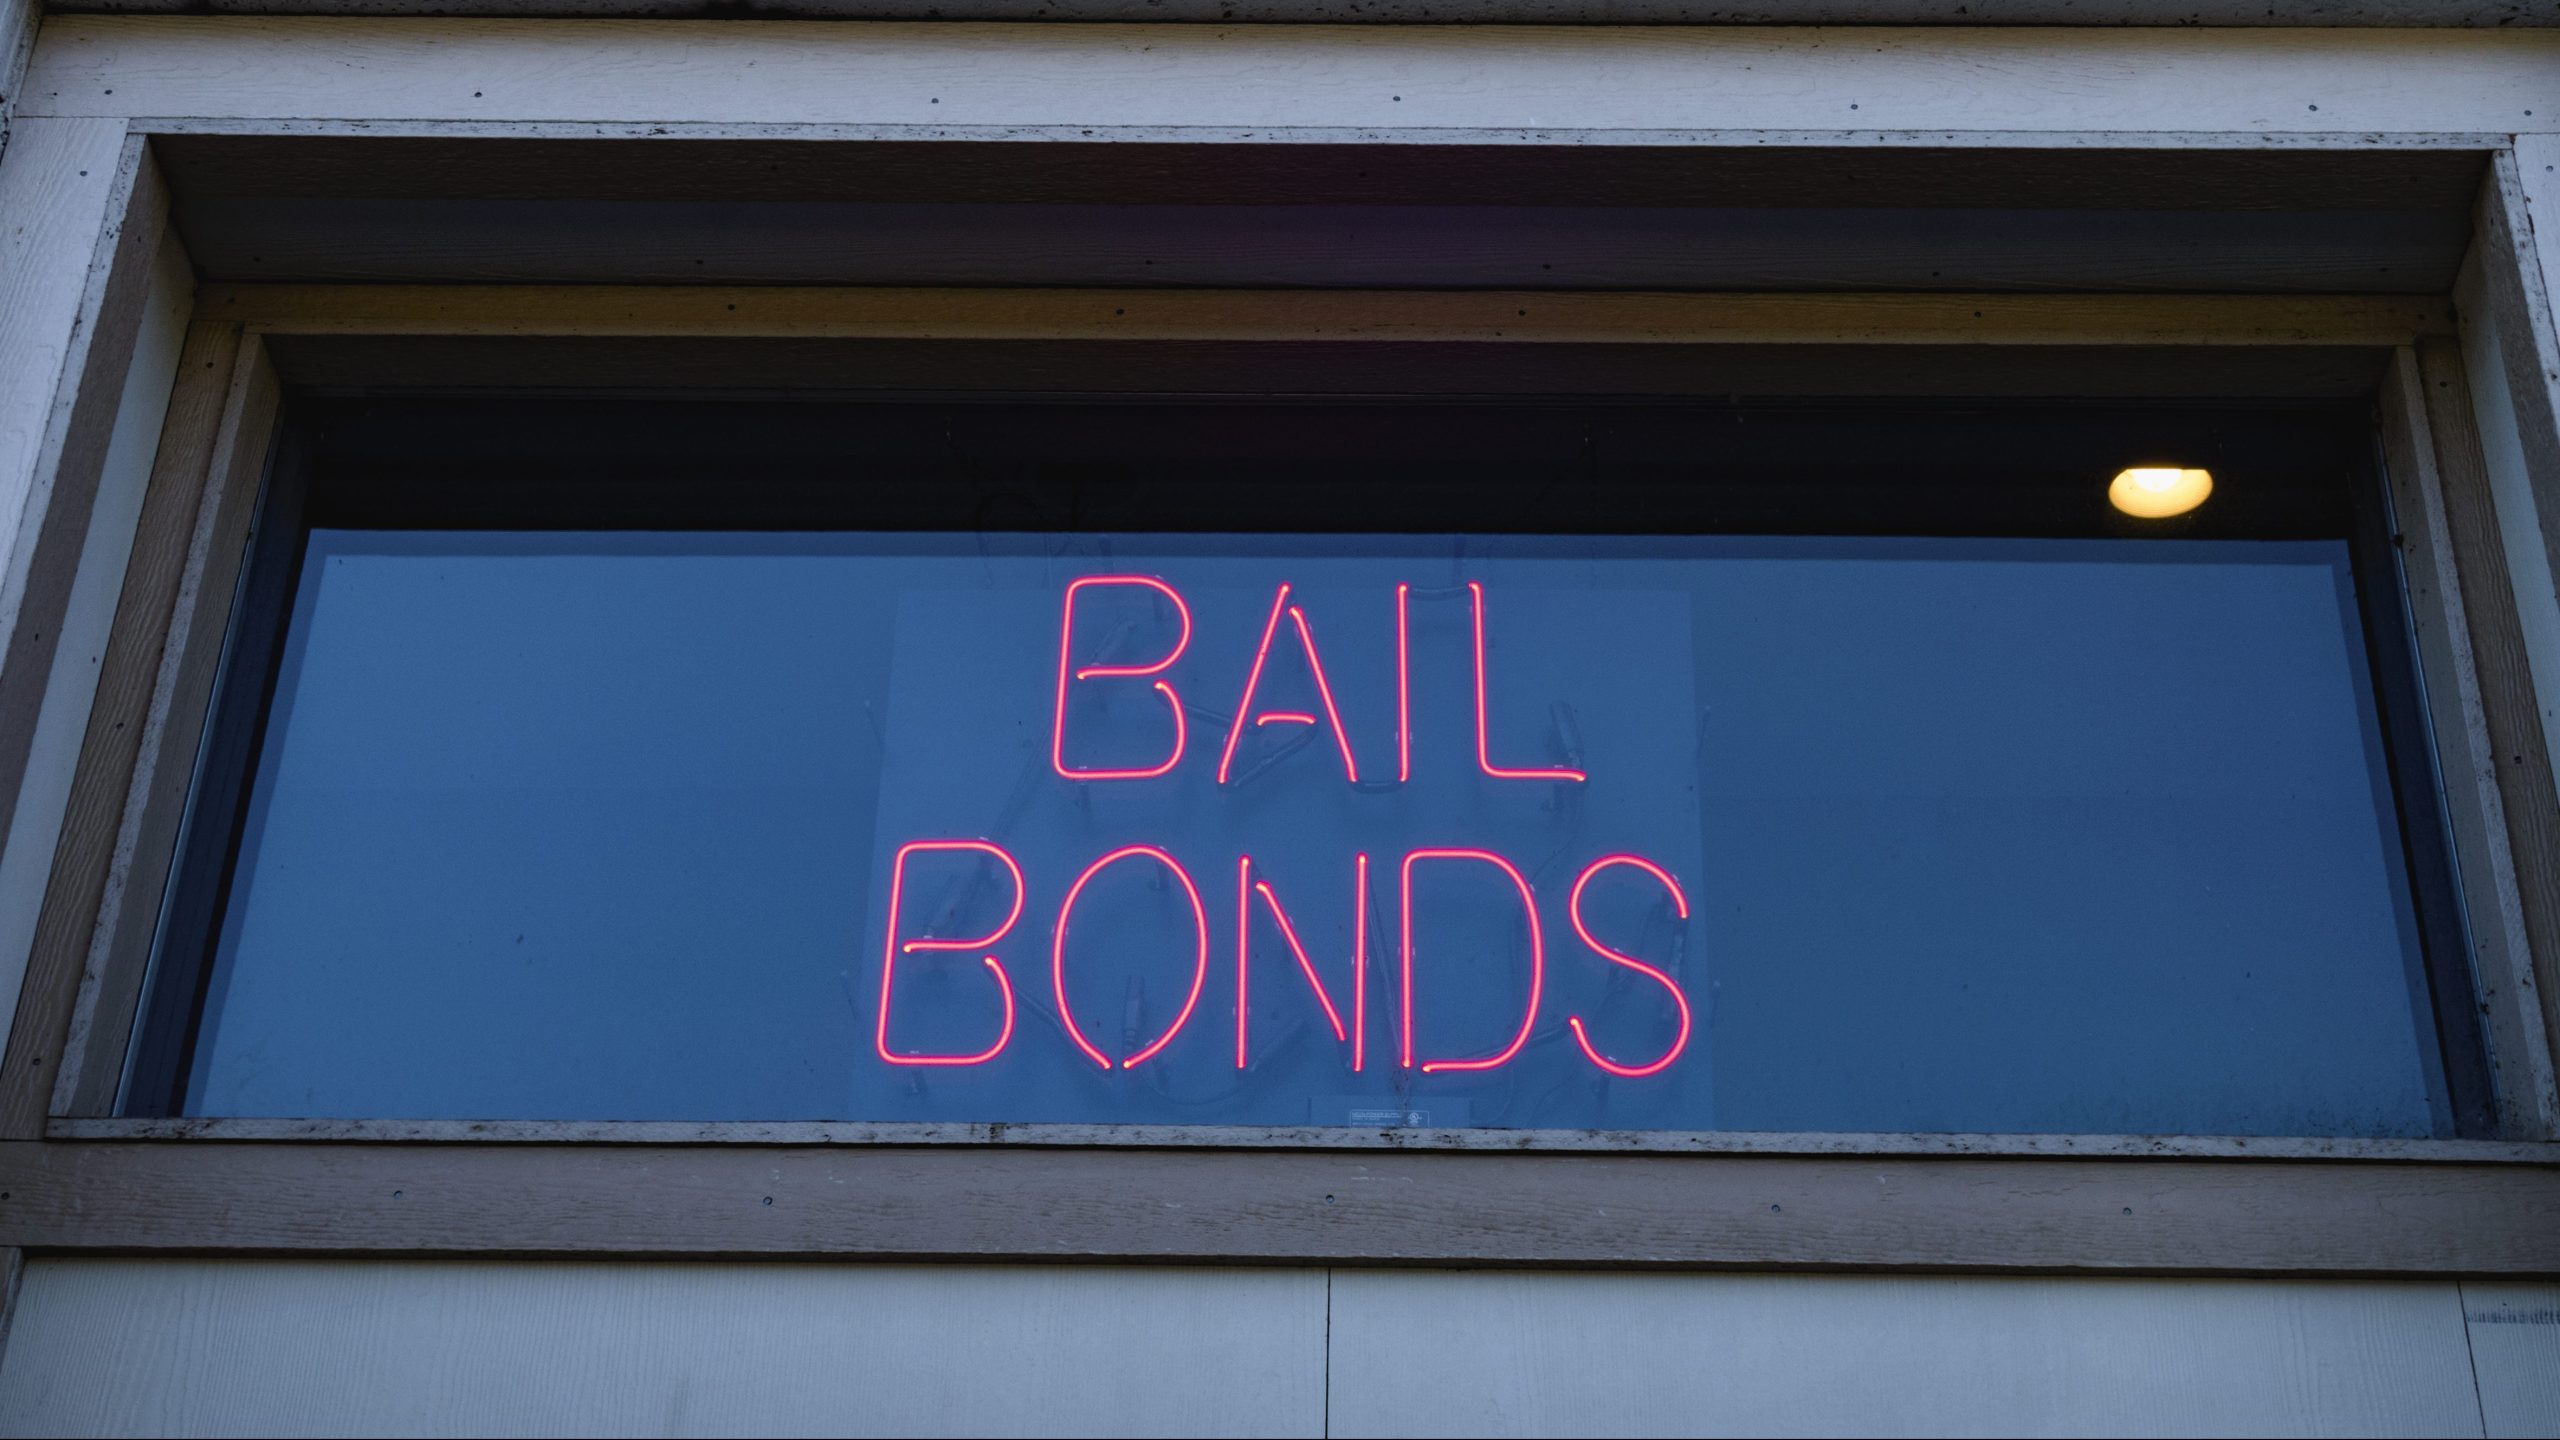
(73, 1179)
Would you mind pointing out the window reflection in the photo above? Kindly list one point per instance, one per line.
(2084, 835)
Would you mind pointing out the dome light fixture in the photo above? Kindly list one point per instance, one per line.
(2156, 492)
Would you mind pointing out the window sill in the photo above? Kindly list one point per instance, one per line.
(2467, 1212)
(1311, 1137)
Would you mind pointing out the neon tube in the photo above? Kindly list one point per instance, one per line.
(1324, 692)
(1483, 750)
(1537, 960)
(1246, 883)
(1244, 927)
(1199, 961)
(1289, 933)
(1066, 639)
(1252, 678)
(1574, 909)
(892, 949)
(1359, 962)
(1253, 681)
(1404, 690)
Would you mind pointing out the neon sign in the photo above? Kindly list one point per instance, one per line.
(1121, 715)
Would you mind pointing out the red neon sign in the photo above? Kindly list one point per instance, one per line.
(1246, 885)
(1199, 964)
(1350, 1029)
(892, 949)
(1066, 646)
(1475, 592)
(1404, 685)
(1537, 960)
(1253, 681)
(1573, 908)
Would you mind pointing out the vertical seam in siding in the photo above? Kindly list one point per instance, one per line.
(1328, 1355)
(2470, 1353)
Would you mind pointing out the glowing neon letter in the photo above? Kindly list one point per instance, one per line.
(1066, 639)
(891, 950)
(1404, 688)
(1537, 959)
(1574, 908)
(1199, 961)
(1253, 678)
(1247, 886)
(1483, 750)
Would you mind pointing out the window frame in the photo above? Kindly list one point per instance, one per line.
(73, 1180)
(175, 987)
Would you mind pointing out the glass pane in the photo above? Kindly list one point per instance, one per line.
(1881, 834)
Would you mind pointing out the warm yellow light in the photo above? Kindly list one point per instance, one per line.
(2155, 492)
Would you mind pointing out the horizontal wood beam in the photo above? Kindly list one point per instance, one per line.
(2325, 13)
(2057, 1215)
(1304, 1137)
(1532, 317)
(1386, 80)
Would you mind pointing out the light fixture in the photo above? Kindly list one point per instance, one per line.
(2156, 492)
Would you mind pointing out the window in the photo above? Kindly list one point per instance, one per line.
(1636, 767)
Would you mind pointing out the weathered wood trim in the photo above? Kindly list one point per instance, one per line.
(13, 1274)
(2045, 1215)
(2051, 140)
(97, 910)
(97, 928)
(2517, 351)
(72, 279)
(18, 22)
(1301, 1137)
(2186, 172)
(2537, 172)
(1522, 317)
(87, 616)
(549, 364)
(2520, 1055)
(2328, 14)
(2509, 704)
(1028, 76)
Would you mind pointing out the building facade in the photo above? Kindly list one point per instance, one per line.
(1826, 719)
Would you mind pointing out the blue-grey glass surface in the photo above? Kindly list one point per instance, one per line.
(2024, 836)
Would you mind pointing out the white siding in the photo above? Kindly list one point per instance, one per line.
(1484, 1353)
(2515, 1353)
(419, 1347)
(319, 1348)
